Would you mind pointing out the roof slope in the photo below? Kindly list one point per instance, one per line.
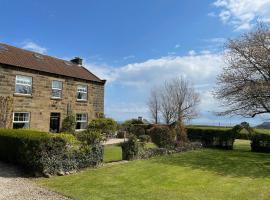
(14, 56)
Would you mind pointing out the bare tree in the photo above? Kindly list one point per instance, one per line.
(166, 107)
(184, 99)
(154, 105)
(244, 84)
(178, 100)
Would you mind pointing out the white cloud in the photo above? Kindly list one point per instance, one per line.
(177, 46)
(34, 47)
(192, 53)
(241, 14)
(134, 81)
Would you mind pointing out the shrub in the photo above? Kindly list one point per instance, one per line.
(89, 136)
(69, 124)
(144, 138)
(260, 142)
(162, 136)
(212, 137)
(46, 153)
(127, 125)
(137, 130)
(104, 125)
(131, 148)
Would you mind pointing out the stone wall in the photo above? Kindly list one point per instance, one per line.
(40, 104)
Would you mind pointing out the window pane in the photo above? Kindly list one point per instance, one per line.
(20, 125)
(81, 125)
(56, 93)
(81, 96)
(24, 80)
(23, 89)
(82, 88)
(57, 85)
(79, 117)
(21, 117)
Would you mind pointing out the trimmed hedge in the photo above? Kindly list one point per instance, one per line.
(260, 143)
(47, 153)
(162, 136)
(212, 137)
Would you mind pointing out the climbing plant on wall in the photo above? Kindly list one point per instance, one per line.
(6, 110)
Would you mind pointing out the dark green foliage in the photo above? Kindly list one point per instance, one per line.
(104, 125)
(162, 136)
(47, 153)
(144, 138)
(121, 134)
(89, 136)
(212, 137)
(137, 130)
(260, 143)
(243, 131)
(69, 124)
(131, 149)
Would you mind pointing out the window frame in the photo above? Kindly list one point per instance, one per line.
(21, 122)
(84, 92)
(53, 88)
(81, 121)
(24, 84)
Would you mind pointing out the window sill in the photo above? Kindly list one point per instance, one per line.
(81, 100)
(22, 95)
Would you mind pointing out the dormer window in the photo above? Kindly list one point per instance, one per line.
(23, 85)
(57, 89)
(82, 93)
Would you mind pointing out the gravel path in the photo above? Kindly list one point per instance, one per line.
(114, 141)
(13, 186)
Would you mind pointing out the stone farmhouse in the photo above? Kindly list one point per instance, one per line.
(38, 91)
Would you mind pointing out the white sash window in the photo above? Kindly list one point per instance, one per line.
(56, 89)
(21, 120)
(81, 121)
(23, 84)
(82, 92)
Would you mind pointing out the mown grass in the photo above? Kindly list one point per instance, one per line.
(203, 174)
(112, 153)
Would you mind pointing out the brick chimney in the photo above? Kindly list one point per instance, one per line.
(77, 61)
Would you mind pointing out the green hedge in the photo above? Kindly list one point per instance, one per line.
(260, 142)
(47, 153)
(212, 137)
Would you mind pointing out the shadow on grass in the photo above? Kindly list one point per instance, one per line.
(238, 162)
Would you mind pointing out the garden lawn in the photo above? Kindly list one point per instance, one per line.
(203, 174)
(112, 153)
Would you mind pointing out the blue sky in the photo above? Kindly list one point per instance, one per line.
(136, 45)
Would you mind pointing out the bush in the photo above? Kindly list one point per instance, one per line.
(89, 136)
(212, 137)
(260, 143)
(137, 130)
(104, 125)
(144, 138)
(131, 149)
(162, 136)
(46, 153)
(69, 124)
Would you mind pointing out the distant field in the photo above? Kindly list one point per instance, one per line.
(258, 130)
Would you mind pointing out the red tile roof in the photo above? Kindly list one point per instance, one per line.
(14, 56)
